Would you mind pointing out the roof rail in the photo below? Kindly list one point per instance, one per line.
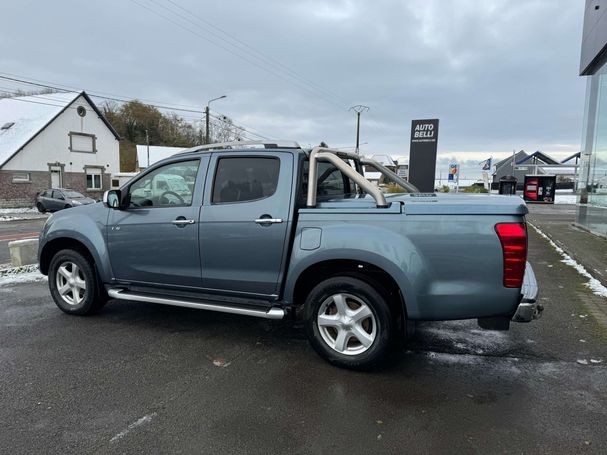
(335, 157)
(244, 144)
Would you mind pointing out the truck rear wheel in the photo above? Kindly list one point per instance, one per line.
(73, 283)
(349, 323)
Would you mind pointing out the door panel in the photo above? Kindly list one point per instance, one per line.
(56, 202)
(244, 222)
(155, 240)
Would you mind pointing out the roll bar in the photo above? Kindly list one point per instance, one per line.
(335, 157)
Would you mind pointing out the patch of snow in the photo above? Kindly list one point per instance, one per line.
(29, 277)
(593, 284)
(18, 275)
(570, 198)
(12, 218)
(29, 114)
(10, 211)
(582, 361)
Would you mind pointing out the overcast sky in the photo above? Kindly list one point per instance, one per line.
(498, 74)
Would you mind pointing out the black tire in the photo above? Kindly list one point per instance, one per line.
(380, 324)
(40, 207)
(88, 300)
(67, 206)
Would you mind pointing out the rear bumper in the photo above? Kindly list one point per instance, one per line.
(528, 309)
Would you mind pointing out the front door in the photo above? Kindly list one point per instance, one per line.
(55, 178)
(155, 239)
(244, 222)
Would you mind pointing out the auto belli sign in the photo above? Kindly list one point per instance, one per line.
(422, 153)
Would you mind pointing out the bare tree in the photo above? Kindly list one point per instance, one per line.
(223, 129)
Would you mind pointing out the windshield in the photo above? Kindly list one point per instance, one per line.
(73, 194)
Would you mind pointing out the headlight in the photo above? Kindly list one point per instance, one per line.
(76, 203)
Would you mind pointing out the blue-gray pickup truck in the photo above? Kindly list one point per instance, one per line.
(270, 230)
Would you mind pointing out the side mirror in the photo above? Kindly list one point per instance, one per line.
(112, 198)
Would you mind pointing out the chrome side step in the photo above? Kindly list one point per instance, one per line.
(272, 313)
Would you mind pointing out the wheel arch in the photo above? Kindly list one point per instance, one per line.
(368, 272)
(52, 247)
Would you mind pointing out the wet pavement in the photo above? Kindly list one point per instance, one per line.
(558, 222)
(149, 378)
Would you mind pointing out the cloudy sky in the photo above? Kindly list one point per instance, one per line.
(499, 74)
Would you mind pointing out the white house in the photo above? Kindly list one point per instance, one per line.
(156, 153)
(54, 140)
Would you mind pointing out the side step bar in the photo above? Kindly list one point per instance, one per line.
(272, 313)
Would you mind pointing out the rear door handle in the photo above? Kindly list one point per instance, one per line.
(268, 220)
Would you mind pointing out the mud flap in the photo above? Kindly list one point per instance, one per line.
(494, 323)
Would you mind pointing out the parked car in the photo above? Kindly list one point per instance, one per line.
(278, 231)
(55, 199)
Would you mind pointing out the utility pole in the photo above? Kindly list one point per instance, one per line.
(147, 141)
(358, 109)
(206, 130)
(207, 115)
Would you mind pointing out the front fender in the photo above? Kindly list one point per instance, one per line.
(85, 226)
(381, 247)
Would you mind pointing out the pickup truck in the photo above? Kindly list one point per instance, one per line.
(271, 230)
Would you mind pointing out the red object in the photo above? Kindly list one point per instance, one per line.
(531, 187)
(513, 237)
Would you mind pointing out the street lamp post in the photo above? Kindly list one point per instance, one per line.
(206, 111)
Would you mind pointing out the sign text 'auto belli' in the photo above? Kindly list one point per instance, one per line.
(422, 153)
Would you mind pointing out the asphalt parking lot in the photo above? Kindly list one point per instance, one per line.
(148, 378)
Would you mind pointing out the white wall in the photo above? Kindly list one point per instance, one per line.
(53, 143)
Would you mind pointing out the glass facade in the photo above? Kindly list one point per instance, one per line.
(592, 178)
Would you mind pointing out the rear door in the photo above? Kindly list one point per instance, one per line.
(155, 240)
(244, 222)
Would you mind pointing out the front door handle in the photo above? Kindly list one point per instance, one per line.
(268, 220)
(182, 222)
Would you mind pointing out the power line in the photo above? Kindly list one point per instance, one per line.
(244, 47)
(123, 100)
(237, 54)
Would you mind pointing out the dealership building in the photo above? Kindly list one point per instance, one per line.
(592, 177)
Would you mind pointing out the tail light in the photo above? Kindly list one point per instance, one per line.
(513, 237)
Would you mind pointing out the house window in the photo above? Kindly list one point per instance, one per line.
(22, 177)
(93, 179)
(82, 142)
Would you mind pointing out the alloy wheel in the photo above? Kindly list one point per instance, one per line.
(71, 284)
(347, 324)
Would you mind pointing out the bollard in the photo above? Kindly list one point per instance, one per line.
(23, 252)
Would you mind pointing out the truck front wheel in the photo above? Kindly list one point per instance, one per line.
(73, 283)
(349, 323)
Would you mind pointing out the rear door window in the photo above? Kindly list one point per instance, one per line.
(245, 179)
(331, 183)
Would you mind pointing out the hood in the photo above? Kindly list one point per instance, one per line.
(83, 200)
